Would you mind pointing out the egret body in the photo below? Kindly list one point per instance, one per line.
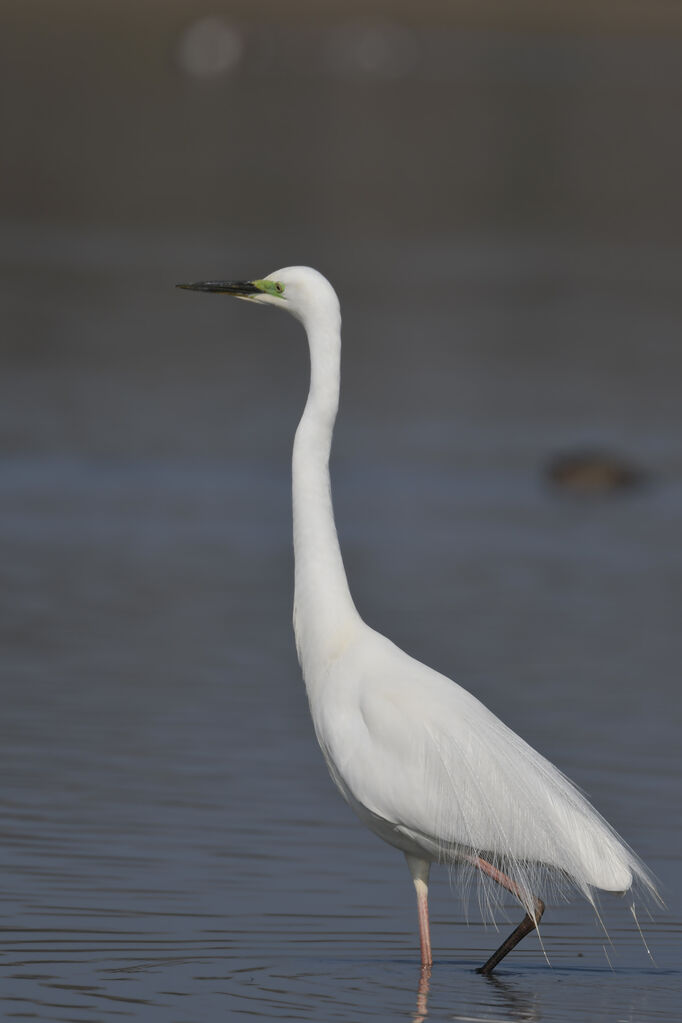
(419, 759)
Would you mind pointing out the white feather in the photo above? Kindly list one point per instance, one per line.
(420, 760)
(427, 767)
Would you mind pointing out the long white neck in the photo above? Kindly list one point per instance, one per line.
(324, 613)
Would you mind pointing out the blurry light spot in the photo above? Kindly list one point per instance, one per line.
(210, 47)
(382, 49)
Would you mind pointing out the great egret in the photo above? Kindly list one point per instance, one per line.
(421, 761)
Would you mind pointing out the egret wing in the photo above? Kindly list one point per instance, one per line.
(422, 760)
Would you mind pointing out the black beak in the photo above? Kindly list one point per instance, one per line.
(239, 288)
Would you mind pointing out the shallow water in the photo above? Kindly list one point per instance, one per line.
(172, 846)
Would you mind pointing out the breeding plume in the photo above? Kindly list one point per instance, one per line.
(421, 761)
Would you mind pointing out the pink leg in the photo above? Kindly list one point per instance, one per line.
(528, 923)
(424, 930)
(420, 875)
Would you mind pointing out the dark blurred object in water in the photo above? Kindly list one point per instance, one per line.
(588, 472)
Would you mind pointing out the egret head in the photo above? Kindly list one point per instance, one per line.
(304, 292)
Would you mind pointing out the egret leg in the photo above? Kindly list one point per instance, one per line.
(529, 923)
(420, 875)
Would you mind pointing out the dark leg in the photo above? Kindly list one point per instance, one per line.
(529, 923)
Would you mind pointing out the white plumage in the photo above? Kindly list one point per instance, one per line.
(421, 761)
(434, 772)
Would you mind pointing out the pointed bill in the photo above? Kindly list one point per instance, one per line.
(242, 289)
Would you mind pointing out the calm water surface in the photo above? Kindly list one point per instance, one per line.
(173, 849)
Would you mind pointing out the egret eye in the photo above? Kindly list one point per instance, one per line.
(270, 287)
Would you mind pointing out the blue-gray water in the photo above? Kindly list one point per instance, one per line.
(172, 847)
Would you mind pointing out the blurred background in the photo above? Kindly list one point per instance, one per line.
(494, 189)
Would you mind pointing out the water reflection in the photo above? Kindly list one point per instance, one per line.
(517, 1007)
(422, 995)
(520, 1007)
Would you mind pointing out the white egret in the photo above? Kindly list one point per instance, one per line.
(421, 761)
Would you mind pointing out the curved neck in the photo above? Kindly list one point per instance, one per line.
(323, 608)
